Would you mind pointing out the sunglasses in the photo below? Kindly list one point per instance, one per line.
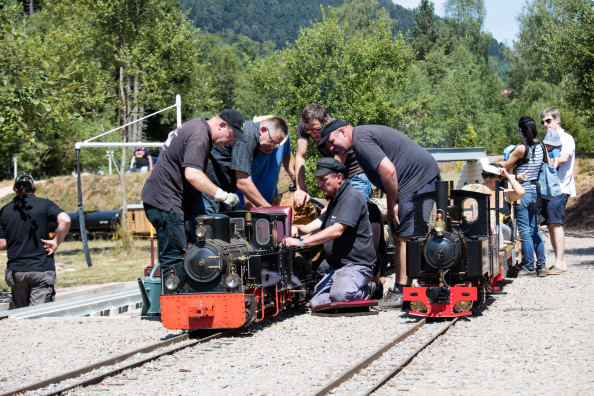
(487, 175)
(547, 121)
(313, 130)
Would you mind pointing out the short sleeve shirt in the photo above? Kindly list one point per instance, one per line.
(265, 171)
(565, 171)
(355, 245)
(167, 188)
(415, 167)
(224, 161)
(23, 223)
(141, 158)
(350, 162)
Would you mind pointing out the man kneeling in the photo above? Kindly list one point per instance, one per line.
(345, 232)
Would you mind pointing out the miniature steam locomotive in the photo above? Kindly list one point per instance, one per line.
(237, 272)
(454, 252)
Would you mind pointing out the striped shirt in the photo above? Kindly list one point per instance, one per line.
(532, 167)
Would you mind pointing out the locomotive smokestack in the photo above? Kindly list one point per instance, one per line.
(441, 196)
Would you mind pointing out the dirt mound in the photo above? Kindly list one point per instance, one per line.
(579, 215)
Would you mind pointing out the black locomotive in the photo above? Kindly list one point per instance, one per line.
(237, 273)
(454, 253)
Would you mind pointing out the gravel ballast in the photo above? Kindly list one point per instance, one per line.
(535, 339)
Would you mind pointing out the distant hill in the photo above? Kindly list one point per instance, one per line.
(272, 20)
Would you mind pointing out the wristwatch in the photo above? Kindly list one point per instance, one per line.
(301, 243)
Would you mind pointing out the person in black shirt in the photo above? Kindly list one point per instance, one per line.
(24, 232)
(399, 167)
(143, 161)
(345, 232)
(178, 182)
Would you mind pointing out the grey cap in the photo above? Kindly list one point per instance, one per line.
(329, 165)
(552, 138)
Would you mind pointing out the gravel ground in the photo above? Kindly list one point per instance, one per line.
(535, 339)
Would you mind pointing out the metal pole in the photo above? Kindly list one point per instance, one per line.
(81, 213)
(178, 108)
(14, 160)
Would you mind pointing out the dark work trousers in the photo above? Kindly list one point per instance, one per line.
(33, 288)
(171, 233)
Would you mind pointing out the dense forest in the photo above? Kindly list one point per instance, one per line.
(72, 69)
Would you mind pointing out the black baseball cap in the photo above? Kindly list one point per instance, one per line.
(235, 119)
(22, 179)
(329, 128)
(329, 165)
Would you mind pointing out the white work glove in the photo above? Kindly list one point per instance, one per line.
(229, 199)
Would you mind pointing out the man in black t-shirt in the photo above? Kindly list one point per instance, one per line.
(345, 232)
(313, 118)
(178, 182)
(24, 232)
(399, 167)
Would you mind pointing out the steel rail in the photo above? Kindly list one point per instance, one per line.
(368, 360)
(115, 360)
(408, 359)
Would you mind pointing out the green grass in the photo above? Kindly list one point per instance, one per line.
(111, 263)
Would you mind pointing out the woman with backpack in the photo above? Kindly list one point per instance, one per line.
(527, 158)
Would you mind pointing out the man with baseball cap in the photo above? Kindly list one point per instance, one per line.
(345, 232)
(178, 181)
(25, 233)
(399, 167)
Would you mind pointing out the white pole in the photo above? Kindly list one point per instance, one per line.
(178, 106)
(109, 153)
(14, 160)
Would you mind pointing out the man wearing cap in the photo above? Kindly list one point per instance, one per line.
(24, 232)
(345, 232)
(313, 118)
(178, 180)
(554, 210)
(399, 167)
(229, 167)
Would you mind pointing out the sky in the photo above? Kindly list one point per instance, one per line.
(500, 20)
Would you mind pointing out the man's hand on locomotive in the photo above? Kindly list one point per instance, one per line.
(293, 242)
(229, 199)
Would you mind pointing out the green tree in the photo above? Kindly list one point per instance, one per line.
(426, 28)
(30, 96)
(123, 56)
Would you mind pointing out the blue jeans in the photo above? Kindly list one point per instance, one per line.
(362, 184)
(528, 228)
(171, 232)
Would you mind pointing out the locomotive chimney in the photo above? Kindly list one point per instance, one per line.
(441, 196)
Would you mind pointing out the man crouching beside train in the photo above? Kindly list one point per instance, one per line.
(345, 232)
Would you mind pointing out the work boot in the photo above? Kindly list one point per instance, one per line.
(392, 299)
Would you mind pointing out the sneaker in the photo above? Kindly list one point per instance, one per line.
(527, 272)
(541, 272)
(392, 299)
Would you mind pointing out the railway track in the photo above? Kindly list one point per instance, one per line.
(160, 349)
(375, 370)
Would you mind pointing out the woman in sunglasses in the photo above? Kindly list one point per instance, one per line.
(527, 158)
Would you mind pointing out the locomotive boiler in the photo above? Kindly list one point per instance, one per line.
(237, 272)
(453, 254)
